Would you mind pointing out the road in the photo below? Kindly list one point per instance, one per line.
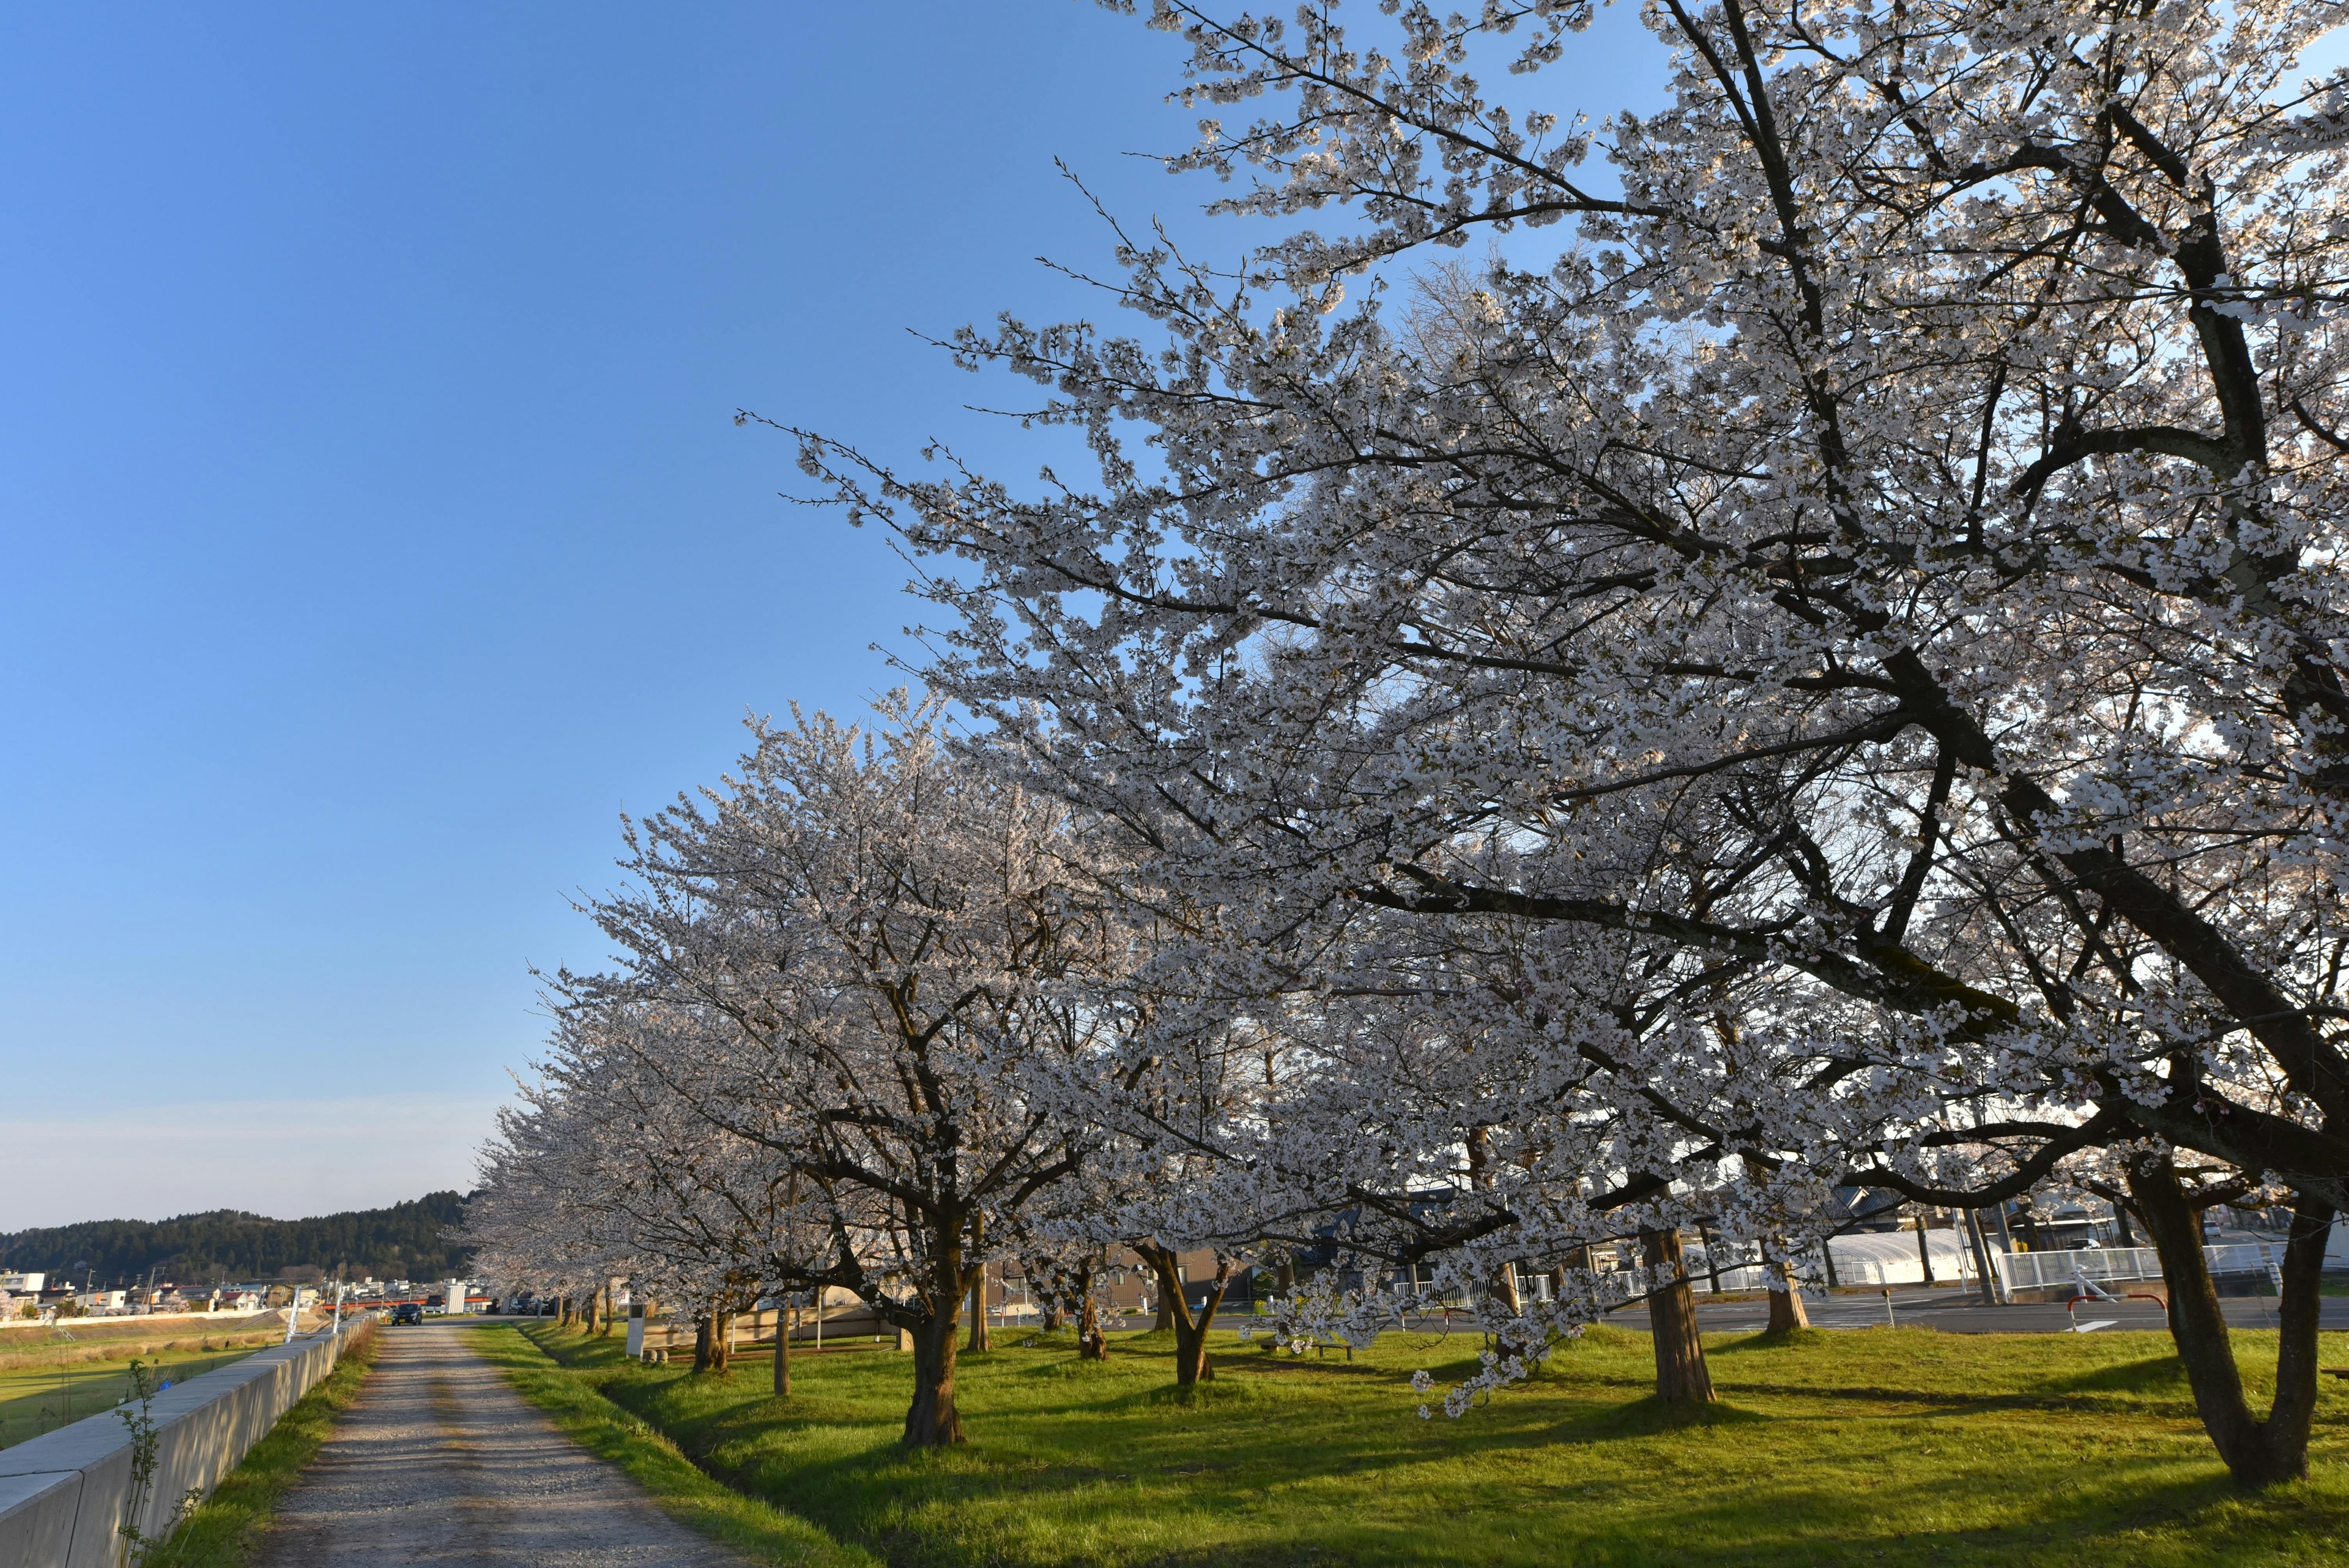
(440, 1462)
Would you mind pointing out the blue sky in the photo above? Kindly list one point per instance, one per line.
(376, 528)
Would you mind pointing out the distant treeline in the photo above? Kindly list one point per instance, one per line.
(403, 1241)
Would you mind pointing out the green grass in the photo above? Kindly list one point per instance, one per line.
(46, 1387)
(751, 1527)
(85, 1332)
(1876, 1447)
(224, 1530)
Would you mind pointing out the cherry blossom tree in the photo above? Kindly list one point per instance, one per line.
(602, 1170)
(536, 1221)
(876, 940)
(1910, 494)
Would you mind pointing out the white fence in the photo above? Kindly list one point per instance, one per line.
(2108, 1266)
(1891, 1259)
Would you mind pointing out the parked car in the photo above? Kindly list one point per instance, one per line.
(407, 1312)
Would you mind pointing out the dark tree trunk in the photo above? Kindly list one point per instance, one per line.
(978, 1335)
(1505, 1291)
(564, 1321)
(1924, 1246)
(611, 1299)
(721, 1344)
(587, 1313)
(1053, 1316)
(1191, 1363)
(702, 1351)
(783, 1316)
(2258, 1453)
(932, 1421)
(1681, 1374)
(1092, 1344)
(1786, 1309)
(1504, 1286)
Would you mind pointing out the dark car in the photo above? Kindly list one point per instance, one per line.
(407, 1312)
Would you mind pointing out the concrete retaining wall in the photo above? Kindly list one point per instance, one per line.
(63, 1496)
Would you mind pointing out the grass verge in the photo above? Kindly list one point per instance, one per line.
(1876, 1447)
(224, 1529)
(750, 1526)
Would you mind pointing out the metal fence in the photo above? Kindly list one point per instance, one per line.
(2127, 1266)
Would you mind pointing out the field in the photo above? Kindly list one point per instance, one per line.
(1876, 1446)
(47, 1381)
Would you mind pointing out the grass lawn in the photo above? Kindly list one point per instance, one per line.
(45, 1386)
(1865, 1446)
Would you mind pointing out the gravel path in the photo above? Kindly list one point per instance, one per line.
(442, 1463)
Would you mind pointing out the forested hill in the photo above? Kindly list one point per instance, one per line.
(403, 1241)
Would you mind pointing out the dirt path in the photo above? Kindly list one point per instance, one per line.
(440, 1462)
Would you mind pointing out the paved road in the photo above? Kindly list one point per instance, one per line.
(440, 1462)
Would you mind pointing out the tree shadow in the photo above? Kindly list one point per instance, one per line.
(1076, 1366)
(1214, 1394)
(2154, 1374)
(1648, 1417)
(906, 1504)
(1246, 1366)
(1769, 1340)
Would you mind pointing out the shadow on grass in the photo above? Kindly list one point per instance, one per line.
(1216, 1393)
(1648, 1417)
(2154, 1374)
(1784, 1339)
(1076, 1368)
(1251, 1365)
(1629, 1482)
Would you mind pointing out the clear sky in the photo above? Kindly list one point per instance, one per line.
(376, 528)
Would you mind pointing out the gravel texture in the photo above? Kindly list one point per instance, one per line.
(440, 1462)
